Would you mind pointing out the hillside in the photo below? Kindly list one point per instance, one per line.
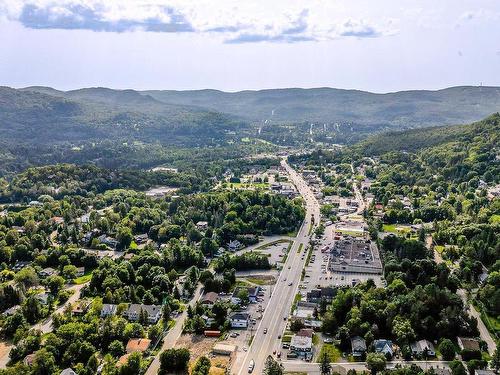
(415, 140)
(327, 105)
(43, 115)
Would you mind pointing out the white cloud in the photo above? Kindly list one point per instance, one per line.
(235, 21)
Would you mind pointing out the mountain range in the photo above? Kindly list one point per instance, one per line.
(208, 117)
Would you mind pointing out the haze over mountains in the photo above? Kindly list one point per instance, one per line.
(207, 116)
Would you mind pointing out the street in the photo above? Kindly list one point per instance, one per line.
(274, 318)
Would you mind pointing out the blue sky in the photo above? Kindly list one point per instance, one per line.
(380, 46)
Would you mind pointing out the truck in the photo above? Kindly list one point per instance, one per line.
(251, 366)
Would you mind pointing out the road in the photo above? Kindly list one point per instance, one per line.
(342, 368)
(483, 331)
(283, 295)
(44, 326)
(173, 335)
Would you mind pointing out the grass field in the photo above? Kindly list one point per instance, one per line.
(300, 248)
(83, 279)
(332, 351)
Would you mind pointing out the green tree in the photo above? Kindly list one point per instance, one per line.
(116, 348)
(202, 366)
(375, 362)
(172, 360)
(457, 368)
(324, 363)
(26, 277)
(272, 367)
(54, 283)
(447, 349)
(495, 360)
(44, 363)
(133, 365)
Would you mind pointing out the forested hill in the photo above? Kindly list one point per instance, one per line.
(41, 115)
(209, 117)
(487, 130)
(398, 110)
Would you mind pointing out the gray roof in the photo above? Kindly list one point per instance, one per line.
(68, 371)
(239, 316)
(150, 309)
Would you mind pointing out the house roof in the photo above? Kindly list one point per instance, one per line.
(305, 332)
(151, 310)
(420, 346)
(469, 343)
(383, 346)
(358, 343)
(67, 371)
(301, 341)
(138, 345)
(210, 297)
(239, 316)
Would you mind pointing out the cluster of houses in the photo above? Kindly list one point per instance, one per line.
(237, 319)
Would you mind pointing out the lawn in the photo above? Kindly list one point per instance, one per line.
(83, 279)
(332, 351)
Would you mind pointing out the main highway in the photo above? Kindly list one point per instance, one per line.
(273, 321)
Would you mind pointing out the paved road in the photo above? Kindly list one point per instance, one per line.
(44, 326)
(283, 294)
(342, 368)
(266, 241)
(173, 335)
(483, 331)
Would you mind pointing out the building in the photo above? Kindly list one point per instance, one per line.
(43, 298)
(80, 271)
(484, 372)
(46, 272)
(358, 346)
(301, 342)
(80, 307)
(108, 310)
(466, 343)
(384, 347)
(209, 299)
(202, 225)
(11, 311)
(134, 311)
(141, 239)
(418, 348)
(109, 241)
(67, 371)
(137, 345)
(253, 293)
(239, 320)
(316, 295)
(234, 245)
(19, 265)
(223, 349)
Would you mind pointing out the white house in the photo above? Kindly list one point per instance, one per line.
(239, 320)
(134, 312)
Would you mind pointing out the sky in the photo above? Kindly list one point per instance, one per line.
(231, 45)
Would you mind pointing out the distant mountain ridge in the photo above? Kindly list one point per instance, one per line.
(209, 117)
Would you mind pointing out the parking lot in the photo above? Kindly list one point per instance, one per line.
(318, 273)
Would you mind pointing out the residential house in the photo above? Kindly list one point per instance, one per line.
(46, 272)
(20, 264)
(358, 346)
(209, 299)
(153, 312)
(67, 371)
(43, 298)
(29, 359)
(484, 372)
(465, 343)
(108, 309)
(301, 342)
(420, 347)
(11, 311)
(80, 307)
(239, 320)
(234, 245)
(252, 295)
(137, 345)
(316, 295)
(141, 239)
(384, 347)
(202, 225)
(80, 271)
(109, 241)
(209, 321)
